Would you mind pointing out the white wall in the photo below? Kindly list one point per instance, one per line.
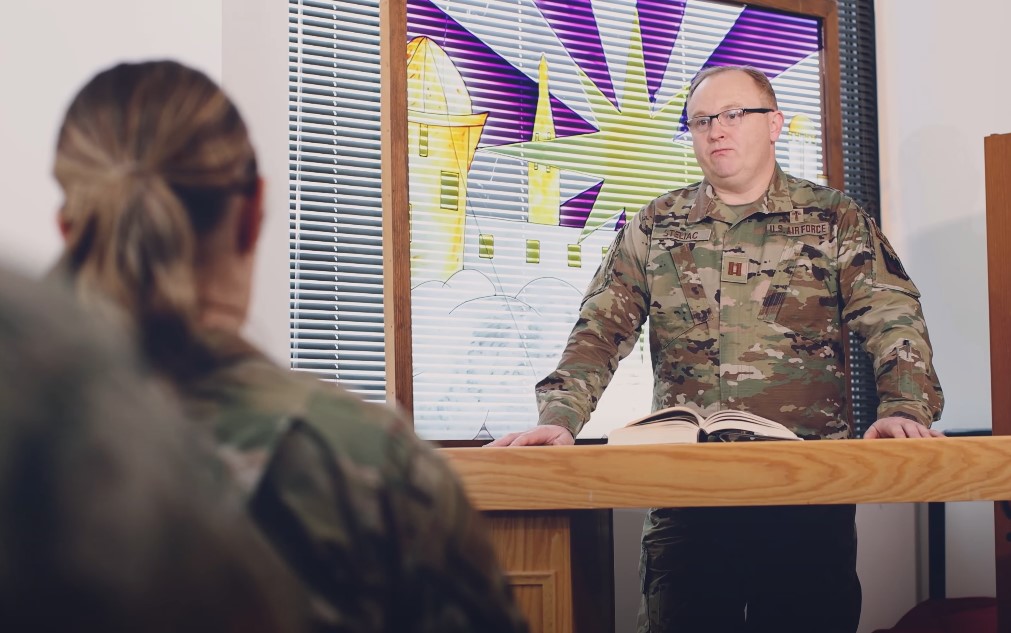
(48, 50)
(887, 563)
(939, 94)
(255, 74)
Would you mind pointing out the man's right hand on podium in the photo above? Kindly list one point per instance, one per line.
(538, 436)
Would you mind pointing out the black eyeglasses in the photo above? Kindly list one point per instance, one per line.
(727, 118)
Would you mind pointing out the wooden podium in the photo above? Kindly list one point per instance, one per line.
(549, 507)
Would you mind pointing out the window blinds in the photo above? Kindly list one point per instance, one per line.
(860, 164)
(335, 224)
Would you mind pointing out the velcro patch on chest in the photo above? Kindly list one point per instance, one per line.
(819, 229)
(735, 269)
(689, 235)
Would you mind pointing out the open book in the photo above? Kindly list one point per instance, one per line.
(682, 425)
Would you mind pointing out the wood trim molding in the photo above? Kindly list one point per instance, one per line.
(831, 105)
(396, 212)
(817, 8)
(997, 151)
(544, 583)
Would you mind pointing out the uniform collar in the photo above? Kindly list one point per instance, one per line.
(776, 200)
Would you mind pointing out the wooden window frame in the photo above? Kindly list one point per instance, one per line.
(394, 148)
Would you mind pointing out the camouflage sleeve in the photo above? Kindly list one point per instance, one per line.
(881, 304)
(610, 318)
(380, 530)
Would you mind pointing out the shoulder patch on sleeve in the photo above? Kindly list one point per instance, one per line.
(889, 271)
(602, 278)
(888, 256)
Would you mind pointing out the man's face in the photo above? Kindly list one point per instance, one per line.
(735, 158)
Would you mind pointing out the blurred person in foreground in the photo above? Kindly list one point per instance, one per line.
(114, 515)
(749, 280)
(162, 212)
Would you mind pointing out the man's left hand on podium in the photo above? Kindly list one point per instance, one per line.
(896, 426)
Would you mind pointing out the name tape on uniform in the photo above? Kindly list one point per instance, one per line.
(689, 235)
(797, 230)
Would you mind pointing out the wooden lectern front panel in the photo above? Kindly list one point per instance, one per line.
(560, 566)
(534, 550)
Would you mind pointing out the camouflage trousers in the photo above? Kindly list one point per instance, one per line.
(783, 569)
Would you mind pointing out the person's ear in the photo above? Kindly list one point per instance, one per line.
(250, 220)
(776, 122)
(64, 225)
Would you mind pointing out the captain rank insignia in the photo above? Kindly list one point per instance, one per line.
(735, 269)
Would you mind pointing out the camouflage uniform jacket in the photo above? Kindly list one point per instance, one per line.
(748, 313)
(369, 517)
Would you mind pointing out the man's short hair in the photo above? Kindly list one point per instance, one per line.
(757, 75)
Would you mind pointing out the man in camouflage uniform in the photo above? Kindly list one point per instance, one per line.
(747, 279)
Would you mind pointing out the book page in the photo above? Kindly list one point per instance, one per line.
(662, 432)
(744, 421)
(670, 413)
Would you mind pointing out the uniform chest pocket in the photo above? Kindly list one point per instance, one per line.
(802, 296)
(669, 319)
(673, 287)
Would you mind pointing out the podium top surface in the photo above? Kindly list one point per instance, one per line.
(754, 473)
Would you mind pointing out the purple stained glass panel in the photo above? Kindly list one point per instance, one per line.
(496, 87)
(769, 41)
(574, 23)
(575, 212)
(660, 22)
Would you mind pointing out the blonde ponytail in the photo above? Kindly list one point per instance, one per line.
(150, 157)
